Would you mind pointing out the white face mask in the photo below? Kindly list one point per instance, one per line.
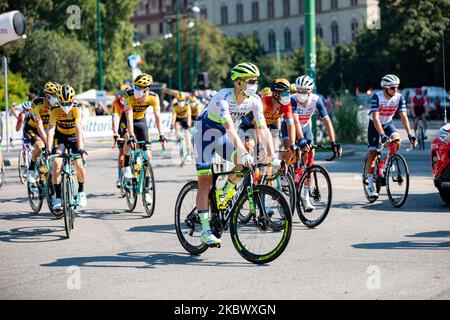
(139, 93)
(53, 100)
(181, 103)
(285, 100)
(67, 109)
(122, 101)
(251, 90)
(302, 98)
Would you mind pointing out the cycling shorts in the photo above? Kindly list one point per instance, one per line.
(307, 132)
(31, 135)
(374, 138)
(62, 142)
(183, 123)
(141, 130)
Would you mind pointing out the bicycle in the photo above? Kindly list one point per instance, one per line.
(274, 227)
(122, 188)
(2, 170)
(69, 189)
(312, 181)
(143, 181)
(38, 191)
(24, 160)
(421, 134)
(391, 171)
(183, 148)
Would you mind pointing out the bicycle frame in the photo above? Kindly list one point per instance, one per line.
(387, 158)
(141, 153)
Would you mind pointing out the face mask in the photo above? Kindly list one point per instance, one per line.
(285, 99)
(53, 100)
(181, 103)
(302, 98)
(67, 109)
(251, 90)
(122, 101)
(419, 97)
(139, 93)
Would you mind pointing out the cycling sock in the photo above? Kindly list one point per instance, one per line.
(126, 162)
(370, 180)
(306, 193)
(32, 165)
(80, 186)
(57, 190)
(204, 219)
(119, 172)
(228, 186)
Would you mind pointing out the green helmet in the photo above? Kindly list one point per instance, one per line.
(244, 70)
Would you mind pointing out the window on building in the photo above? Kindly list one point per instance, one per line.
(286, 8)
(160, 5)
(204, 13)
(224, 14)
(301, 7)
(270, 9)
(239, 13)
(255, 11)
(149, 29)
(287, 39)
(334, 33)
(147, 8)
(161, 27)
(319, 31)
(256, 35)
(355, 26)
(302, 36)
(354, 3)
(272, 41)
(318, 5)
(334, 4)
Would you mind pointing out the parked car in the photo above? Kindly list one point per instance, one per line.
(440, 162)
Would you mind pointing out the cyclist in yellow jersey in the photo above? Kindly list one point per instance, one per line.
(137, 100)
(196, 108)
(66, 132)
(181, 118)
(37, 122)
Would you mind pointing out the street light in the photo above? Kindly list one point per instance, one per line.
(180, 84)
(169, 36)
(191, 71)
(196, 11)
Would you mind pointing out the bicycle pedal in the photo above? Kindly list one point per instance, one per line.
(214, 245)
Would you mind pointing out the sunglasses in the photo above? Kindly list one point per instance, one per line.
(303, 91)
(135, 87)
(393, 88)
(252, 81)
(65, 104)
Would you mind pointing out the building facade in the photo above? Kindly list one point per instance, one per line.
(270, 21)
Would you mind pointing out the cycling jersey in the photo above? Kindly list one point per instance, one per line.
(385, 107)
(195, 111)
(305, 113)
(419, 105)
(224, 103)
(181, 112)
(139, 106)
(117, 108)
(65, 122)
(271, 113)
(39, 112)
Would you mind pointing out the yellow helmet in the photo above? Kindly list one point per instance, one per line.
(181, 97)
(51, 87)
(192, 99)
(143, 80)
(66, 94)
(266, 91)
(293, 88)
(125, 87)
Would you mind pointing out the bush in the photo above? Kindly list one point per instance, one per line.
(18, 89)
(347, 125)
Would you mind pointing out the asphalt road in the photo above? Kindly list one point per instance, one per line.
(362, 251)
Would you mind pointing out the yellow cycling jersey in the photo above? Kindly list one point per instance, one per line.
(65, 122)
(39, 112)
(195, 110)
(181, 112)
(139, 106)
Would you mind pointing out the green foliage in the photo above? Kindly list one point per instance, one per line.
(347, 126)
(50, 56)
(18, 89)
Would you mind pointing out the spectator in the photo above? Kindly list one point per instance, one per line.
(99, 109)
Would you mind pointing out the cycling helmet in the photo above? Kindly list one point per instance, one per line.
(418, 91)
(66, 94)
(143, 80)
(51, 87)
(390, 80)
(125, 87)
(26, 105)
(244, 70)
(304, 82)
(192, 99)
(280, 85)
(181, 97)
(266, 91)
(293, 88)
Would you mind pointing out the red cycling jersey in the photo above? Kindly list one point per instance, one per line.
(272, 114)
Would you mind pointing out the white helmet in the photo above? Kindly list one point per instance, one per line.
(390, 80)
(304, 82)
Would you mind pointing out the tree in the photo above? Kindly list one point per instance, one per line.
(50, 56)
(18, 89)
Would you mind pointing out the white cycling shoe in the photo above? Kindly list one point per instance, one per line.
(30, 178)
(83, 199)
(308, 205)
(371, 192)
(57, 205)
(208, 238)
(148, 199)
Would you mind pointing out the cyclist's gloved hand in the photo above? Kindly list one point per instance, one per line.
(384, 138)
(162, 138)
(337, 148)
(247, 160)
(82, 152)
(302, 143)
(132, 139)
(293, 148)
(412, 140)
(276, 162)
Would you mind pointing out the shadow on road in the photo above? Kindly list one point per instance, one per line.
(424, 245)
(32, 234)
(15, 200)
(421, 203)
(142, 260)
(163, 228)
(30, 216)
(112, 214)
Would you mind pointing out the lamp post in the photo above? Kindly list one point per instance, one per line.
(100, 65)
(191, 69)
(310, 54)
(180, 83)
(196, 11)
